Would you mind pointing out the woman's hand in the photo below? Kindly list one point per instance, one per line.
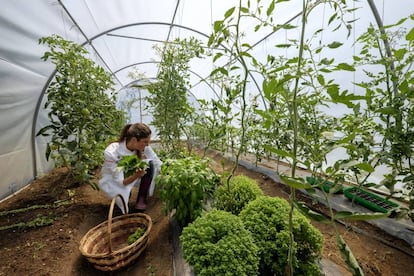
(138, 174)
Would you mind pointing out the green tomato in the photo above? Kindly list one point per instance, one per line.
(86, 112)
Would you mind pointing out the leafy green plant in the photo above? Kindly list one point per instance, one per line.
(234, 73)
(151, 270)
(389, 99)
(37, 246)
(55, 205)
(83, 117)
(136, 235)
(169, 106)
(267, 218)
(257, 134)
(129, 164)
(212, 127)
(233, 197)
(217, 243)
(184, 186)
(39, 221)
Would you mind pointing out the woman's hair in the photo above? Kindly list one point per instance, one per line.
(137, 130)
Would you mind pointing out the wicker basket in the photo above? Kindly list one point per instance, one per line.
(105, 245)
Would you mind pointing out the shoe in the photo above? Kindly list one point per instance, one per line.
(141, 206)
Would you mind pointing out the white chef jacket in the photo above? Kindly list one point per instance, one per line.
(111, 182)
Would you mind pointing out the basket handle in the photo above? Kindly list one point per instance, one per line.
(111, 211)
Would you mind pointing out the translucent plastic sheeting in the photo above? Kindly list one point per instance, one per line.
(18, 99)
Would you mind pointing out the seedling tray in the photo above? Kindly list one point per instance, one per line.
(370, 200)
(327, 186)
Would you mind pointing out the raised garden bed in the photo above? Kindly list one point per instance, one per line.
(370, 200)
(327, 185)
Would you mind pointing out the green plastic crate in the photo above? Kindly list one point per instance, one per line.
(370, 200)
(327, 186)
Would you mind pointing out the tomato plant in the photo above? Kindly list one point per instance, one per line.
(170, 108)
(82, 111)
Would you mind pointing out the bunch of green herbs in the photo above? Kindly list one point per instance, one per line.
(136, 235)
(129, 164)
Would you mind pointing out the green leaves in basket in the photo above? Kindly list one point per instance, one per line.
(129, 164)
(134, 237)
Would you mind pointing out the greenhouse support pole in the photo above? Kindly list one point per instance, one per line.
(398, 118)
(384, 39)
(36, 114)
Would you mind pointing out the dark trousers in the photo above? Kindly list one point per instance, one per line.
(146, 182)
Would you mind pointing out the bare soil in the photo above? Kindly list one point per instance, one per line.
(54, 249)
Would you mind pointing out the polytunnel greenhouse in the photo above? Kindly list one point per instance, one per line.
(207, 137)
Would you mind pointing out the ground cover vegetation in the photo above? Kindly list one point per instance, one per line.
(282, 119)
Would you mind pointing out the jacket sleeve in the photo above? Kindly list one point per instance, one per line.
(151, 155)
(109, 168)
(111, 182)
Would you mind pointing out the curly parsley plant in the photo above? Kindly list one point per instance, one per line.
(267, 218)
(233, 197)
(217, 243)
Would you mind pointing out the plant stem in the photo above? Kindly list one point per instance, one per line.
(243, 96)
(295, 118)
